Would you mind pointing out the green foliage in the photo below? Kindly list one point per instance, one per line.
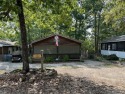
(16, 71)
(65, 58)
(106, 57)
(99, 58)
(7, 31)
(91, 56)
(114, 14)
(48, 59)
(111, 57)
(88, 45)
(30, 59)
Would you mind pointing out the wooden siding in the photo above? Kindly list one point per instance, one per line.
(70, 49)
(63, 49)
(50, 49)
(71, 56)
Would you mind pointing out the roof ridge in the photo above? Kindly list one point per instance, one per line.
(55, 35)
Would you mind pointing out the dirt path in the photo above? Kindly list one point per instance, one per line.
(97, 72)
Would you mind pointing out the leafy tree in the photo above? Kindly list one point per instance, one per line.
(6, 10)
(94, 9)
(114, 14)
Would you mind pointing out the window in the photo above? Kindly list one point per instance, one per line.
(103, 46)
(16, 48)
(121, 46)
(113, 46)
(13, 49)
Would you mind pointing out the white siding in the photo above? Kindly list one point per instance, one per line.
(119, 54)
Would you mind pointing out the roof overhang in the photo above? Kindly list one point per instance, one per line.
(114, 39)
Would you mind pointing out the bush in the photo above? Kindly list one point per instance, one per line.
(49, 59)
(30, 59)
(99, 58)
(111, 57)
(65, 58)
(105, 56)
(91, 56)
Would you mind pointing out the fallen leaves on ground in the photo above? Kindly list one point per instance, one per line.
(49, 82)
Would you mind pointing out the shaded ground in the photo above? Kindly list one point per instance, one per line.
(57, 84)
(101, 73)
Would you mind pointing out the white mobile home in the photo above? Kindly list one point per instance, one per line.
(114, 45)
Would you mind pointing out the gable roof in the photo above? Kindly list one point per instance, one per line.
(115, 39)
(6, 43)
(42, 39)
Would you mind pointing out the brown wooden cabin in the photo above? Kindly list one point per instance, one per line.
(66, 46)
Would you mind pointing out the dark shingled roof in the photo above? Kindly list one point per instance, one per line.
(115, 39)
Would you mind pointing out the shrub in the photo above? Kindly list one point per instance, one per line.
(98, 58)
(49, 59)
(105, 56)
(112, 57)
(91, 56)
(30, 59)
(65, 58)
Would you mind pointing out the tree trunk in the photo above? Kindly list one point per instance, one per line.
(76, 29)
(99, 17)
(23, 36)
(95, 33)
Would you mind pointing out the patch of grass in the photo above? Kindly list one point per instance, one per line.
(16, 71)
(65, 58)
(48, 59)
(2, 71)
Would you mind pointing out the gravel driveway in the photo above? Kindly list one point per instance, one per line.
(99, 72)
(9, 66)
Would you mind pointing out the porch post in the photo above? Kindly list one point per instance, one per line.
(116, 46)
(57, 49)
(2, 53)
(42, 61)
